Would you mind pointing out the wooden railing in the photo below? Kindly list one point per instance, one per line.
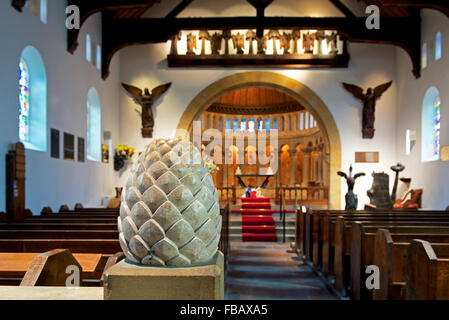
(301, 194)
(227, 195)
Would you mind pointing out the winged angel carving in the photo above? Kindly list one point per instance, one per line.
(369, 104)
(146, 101)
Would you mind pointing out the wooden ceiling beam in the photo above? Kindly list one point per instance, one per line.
(120, 33)
(88, 8)
(440, 5)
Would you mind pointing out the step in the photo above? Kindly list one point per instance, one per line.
(261, 205)
(259, 229)
(253, 237)
(259, 211)
(257, 221)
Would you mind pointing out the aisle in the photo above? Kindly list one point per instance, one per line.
(265, 270)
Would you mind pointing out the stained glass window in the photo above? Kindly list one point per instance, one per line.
(24, 96)
(275, 124)
(98, 60)
(437, 123)
(236, 124)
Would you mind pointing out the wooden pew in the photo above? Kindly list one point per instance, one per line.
(58, 234)
(336, 237)
(320, 232)
(362, 249)
(391, 258)
(103, 246)
(428, 271)
(55, 226)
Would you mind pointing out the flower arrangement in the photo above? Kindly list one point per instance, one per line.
(211, 166)
(122, 153)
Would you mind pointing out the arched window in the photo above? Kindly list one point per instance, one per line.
(267, 125)
(431, 125)
(32, 100)
(282, 124)
(243, 125)
(44, 11)
(312, 121)
(301, 124)
(438, 46)
(220, 124)
(424, 56)
(228, 124)
(93, 126)
(306, 126)
(88, 48)
(275, 124)
(260, 125)
(251, 125)
(236, 124)
(98, 59)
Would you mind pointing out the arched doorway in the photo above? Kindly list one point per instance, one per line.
(298, 90)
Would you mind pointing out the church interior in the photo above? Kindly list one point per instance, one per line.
(289, 149)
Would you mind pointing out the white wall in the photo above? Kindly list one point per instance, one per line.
(55, 181)
(431, 176)
(371, 65)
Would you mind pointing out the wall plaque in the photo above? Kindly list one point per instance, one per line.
(367, 157)
(81, 150)
(54, 141)
(69, 146)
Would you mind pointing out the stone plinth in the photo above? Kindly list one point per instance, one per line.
(126, 281)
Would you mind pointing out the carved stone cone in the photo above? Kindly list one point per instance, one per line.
(170, 214)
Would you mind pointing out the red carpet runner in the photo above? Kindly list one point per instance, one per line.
(257, 221)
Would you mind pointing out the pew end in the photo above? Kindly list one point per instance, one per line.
(49, 269)
(427, 275)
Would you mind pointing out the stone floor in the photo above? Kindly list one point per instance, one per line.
(271, 271)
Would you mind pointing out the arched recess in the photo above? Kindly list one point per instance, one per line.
(33, 104)
(296, 89)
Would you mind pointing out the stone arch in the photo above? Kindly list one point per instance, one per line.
(296, 89)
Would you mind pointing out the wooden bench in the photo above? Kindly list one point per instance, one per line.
(362, 250)
(391, 258)
(13, 266)
(55, 226)
(58, 234)
(103, 246)
(427, 271)
(318, 235)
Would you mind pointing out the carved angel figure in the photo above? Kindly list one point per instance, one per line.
(251, 36)
(216, 43)
(308, 41)
(369, 104)
(146, 101)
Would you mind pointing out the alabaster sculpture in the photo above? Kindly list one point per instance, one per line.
(170, 214)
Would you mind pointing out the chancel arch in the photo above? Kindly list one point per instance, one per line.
(302, 94)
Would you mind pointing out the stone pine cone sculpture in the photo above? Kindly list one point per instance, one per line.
(170, 214)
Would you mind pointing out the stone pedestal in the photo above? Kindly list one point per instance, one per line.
(126, 281)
